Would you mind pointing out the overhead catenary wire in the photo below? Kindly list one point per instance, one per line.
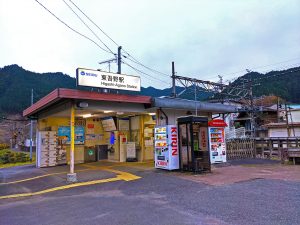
(133, 58)
(77, 32)
(137, 70)
(88, 27)
(149, 76)
(139, 63)
(142, 72)
(257, 67)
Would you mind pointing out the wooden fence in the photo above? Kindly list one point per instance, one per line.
(240, 148)
(280, 148)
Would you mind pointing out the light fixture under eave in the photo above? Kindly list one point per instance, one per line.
(86, 115)
(152, 114)
(107, 111)
(120, 113)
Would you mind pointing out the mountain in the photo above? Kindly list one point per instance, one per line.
(284, 84)
(16, 84)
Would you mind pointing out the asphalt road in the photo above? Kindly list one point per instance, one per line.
(160, 198)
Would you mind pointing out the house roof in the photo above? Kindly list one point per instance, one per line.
(282, 125)
(178, 103)
(63, 93)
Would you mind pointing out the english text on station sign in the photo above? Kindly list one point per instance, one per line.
(100, 79)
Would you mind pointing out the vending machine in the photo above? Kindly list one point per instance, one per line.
(166, 147)
(217, 144)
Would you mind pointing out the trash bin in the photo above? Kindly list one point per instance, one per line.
(89, 154)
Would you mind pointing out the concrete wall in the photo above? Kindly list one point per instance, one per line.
(173, 114)
(295, 116)
(282, 132)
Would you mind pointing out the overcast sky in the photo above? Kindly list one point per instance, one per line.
(204, 38)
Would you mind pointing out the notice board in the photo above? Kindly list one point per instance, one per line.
(64, 134)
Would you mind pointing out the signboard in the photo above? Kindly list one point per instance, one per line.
(108, 124)
(124, 124)
(217, 123)
(100, 79)
(130, 150)
(64, 133)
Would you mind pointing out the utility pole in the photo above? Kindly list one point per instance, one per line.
(196, 99)
(31, 128)
(278, 117)
(119, 59)
(173, 81)
(252, 119)
(287, 120)
(221, 88)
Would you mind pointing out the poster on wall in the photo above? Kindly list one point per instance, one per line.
(64, 134)
(124, 124)
(90, 128)
(108, 124)
(130, 150)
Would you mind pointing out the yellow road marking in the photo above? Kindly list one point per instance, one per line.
(121, 176)
(126, 176)
(38, 177)
(62, 188)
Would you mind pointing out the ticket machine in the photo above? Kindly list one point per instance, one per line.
(194, 153)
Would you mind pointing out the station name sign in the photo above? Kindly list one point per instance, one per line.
(100, 79)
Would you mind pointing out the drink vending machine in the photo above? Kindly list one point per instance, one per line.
(216, 133)
(166, 147)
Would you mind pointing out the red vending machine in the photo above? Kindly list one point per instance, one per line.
(217, 143)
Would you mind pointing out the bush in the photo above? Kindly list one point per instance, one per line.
(7, 156)
(3, 146)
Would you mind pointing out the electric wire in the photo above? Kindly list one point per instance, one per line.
(137, 70)
(258, 67)
(77, 32)
(88, 26)
(142, 72)
(149, 76)
(139, 63)
(133, 58)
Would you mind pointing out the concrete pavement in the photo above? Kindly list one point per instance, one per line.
(161, 197)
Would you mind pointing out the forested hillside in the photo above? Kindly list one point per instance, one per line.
(16, 84)
(285, 84)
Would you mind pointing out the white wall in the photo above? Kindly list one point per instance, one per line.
(282, 132)
(173, 114)
(295, 116)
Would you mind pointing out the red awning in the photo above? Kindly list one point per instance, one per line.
(63, 93)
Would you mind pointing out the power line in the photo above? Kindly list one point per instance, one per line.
(139, 63)
(93, 22)
(257, 67)
(88, 26)
(133, 59)
(77, 32)
(139, 71)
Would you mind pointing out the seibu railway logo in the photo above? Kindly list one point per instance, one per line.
(174, 142)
